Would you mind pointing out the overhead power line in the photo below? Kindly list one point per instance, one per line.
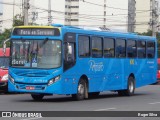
(107, 6)
(6, 3)
(60, 12)
(86, 17)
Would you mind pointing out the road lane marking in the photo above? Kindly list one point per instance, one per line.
(105, 109)
(154, 103)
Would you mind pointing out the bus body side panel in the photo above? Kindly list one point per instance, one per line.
(145, 73)
(114, 72)
(103, 74)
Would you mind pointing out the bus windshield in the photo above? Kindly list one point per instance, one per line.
(4, 62)
(36, 53)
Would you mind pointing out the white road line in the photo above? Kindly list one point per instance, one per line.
(154, 103)
(31, 118)
(105, 109)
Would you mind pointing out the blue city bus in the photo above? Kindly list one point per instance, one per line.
(68, 60)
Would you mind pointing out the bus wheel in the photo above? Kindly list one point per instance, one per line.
(82, 91)
(37, 97)
(93, 94)
(130, 88)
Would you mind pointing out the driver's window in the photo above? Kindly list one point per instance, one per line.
(69, 51)
(69, 57)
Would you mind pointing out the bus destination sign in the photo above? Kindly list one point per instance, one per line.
(36, 31)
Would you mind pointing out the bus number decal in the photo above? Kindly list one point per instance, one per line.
(132, 61)
(96, 67)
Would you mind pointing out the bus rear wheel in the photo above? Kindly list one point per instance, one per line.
(130, 88)
(37, 97)
(82, 90)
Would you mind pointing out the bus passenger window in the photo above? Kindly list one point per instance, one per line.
(150, 49)
(141, 49)
(96, 47)
(120, 48)
(131, 49)
(108, 48)
(83, 47)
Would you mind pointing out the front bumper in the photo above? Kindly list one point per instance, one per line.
(55, 88)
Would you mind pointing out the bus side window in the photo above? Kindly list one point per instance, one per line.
(83, 46)
(131, 49)
(108, 46)
(97, 47)
(120, 48)
(150, 49)
(141, 49)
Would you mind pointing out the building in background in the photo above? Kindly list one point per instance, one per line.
(146, 15)
(72, 12)
(85, 13)
(104, 13)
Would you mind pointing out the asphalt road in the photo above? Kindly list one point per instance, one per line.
(145, 99)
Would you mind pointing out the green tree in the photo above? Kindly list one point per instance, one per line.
(7, 32)
(18, 20)
(5, 35)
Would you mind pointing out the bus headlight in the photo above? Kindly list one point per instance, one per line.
(53, 80)
(5, 77)
(11, 79)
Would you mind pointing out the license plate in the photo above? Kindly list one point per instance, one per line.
(29, 88)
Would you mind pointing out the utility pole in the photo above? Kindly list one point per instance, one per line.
(26, 7)
(154, 17)
(22, 10)
(104, 24)
(13, 10)
(131, 15)
(49, 13)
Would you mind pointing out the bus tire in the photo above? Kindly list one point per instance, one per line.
(130, 88)
(82, 90)
(37, 97)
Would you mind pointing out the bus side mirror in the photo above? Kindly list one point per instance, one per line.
(4, 45)
(4, 48)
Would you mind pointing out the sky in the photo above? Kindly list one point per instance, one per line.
(0, 6)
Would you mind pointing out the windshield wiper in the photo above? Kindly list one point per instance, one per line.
(44, 42)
